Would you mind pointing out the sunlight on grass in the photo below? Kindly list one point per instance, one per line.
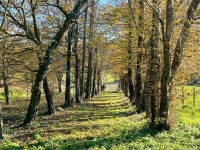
(107, 127)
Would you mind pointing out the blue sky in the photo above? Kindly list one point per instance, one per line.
(103, 1)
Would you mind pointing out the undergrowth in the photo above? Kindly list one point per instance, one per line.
(106, 122)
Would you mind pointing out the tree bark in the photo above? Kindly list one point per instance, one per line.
(49, 97)
(89, 72)
(165, 99)
(169, 70)
(59, 76)
(43, 68)
(154, 69)
(125, 85)
(83, 56)
(140, 104)
(68, 68)
(130, 72)
(94, 90)
(89, 76)
(98, 81)
(5, 81)
(77, 91)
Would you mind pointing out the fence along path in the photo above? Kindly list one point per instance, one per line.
(188, 95)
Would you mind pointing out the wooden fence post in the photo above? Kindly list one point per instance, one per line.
(194, 96)
(1, 124)
(183, 96)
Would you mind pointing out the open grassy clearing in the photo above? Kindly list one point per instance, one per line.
(105, 122)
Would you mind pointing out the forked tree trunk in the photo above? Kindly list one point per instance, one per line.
(49, 97)
(166, 82)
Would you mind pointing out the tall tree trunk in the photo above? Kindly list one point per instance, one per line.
(140, 104)
(49, 97)
(83, 57)
(130, 72)
(89, 72)
(154, 69)
(48, 58)
(77, 91)
(165, 100)
(166, 82)
(94, 75)
(5, 81)
(68, 68)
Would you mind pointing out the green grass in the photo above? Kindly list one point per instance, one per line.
(15, 94)
(106, 122)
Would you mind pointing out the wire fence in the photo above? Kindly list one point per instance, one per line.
(188, 95)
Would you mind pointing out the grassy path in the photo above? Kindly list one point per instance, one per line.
(106, 122)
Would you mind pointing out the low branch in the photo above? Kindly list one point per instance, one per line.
(32, 70)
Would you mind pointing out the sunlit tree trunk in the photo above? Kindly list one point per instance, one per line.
(169, 70)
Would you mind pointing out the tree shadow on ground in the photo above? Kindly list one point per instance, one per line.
(106, 141)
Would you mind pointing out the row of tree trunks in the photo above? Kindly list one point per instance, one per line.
(158, 81)
(48, 58)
